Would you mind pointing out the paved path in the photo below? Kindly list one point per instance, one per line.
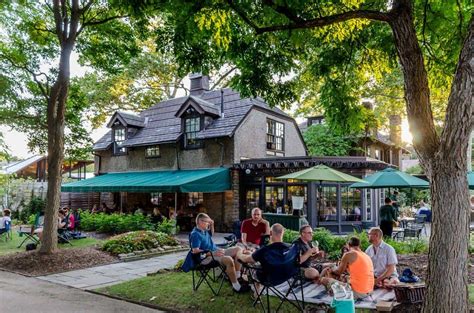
(111, 274)
(31, 295)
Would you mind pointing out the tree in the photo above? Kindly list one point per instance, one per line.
(36, 44)
(321, 140)
(343, 46)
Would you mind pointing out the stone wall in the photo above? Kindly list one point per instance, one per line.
(216, 152)
(250, 137)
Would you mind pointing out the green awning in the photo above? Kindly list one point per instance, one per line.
(199, 180)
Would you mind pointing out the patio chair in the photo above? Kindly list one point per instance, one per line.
(411, 232)
(278, 272)
(420, 220)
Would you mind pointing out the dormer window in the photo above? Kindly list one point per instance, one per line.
(119, 138)
(275, 138)
(192, 125)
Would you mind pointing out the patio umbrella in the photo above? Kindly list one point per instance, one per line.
(470, 179)
(389, 178)
(322, 173)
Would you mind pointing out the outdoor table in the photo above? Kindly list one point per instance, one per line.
(405, 220)
(288, 221)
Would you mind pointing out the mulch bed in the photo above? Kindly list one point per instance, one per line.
(32, 263)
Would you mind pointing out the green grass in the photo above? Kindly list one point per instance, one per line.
(471, 293)
(10, 246)
(173, 290)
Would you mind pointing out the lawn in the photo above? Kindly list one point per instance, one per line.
(10, 246)
(173, 291)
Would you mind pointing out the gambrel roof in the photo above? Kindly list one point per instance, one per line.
(163, 126)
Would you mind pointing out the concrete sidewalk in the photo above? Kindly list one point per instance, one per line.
(30, 295)
(111, 274)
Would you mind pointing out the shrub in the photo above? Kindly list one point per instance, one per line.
(137, 241)
(167, 226)
(332, 244)
(35, 206)
(114, 223)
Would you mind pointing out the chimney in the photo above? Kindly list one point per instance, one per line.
(395, 129)
(199, 84)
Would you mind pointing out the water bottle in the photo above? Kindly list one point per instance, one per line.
(338, 291)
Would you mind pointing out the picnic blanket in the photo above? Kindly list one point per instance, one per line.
(315, 293)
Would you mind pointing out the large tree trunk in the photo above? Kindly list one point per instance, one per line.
(445, 163)
(56, 113)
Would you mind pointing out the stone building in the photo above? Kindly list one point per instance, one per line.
(205, 130)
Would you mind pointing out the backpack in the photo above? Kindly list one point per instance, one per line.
(31, 246)
(409, 277)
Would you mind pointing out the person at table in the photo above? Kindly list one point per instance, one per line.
(388, 217)
(384, 259)
(200, 240)
(253, 228)
(307, 251)
(395, 204)
(156, 217)
(360, 269)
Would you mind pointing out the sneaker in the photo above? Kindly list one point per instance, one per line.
(243, 289)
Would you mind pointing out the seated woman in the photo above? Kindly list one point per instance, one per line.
(156, 217)
(360, 269)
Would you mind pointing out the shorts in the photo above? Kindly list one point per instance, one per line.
(227, 252)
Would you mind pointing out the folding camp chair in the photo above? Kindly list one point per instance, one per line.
(212, 273)
(278, 272)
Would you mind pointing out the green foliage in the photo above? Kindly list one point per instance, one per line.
(414, 170)
(332, 244)
(114, 223)
(321, 140)
(33, 207)
(137, 241)
(29, 53)
(167, 226)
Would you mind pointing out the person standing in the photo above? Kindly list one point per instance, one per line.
(387, 218)
(395, 204)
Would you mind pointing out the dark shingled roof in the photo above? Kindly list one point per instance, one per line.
(164, 127)
(128, 119)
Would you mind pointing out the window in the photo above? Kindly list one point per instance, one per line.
(119, 138)
(377, 154)
(327, 205)
(195, 198)
(351, 203)
(275, 138)
(274, 199)
(192, 125)
(152, 151)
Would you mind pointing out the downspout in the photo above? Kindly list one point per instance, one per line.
(177, 156)
(99, 163)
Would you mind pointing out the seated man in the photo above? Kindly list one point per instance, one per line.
(253, 228)
(360, 269)
(201, 240)
(307, 251)
(277, 247)
(384, 259)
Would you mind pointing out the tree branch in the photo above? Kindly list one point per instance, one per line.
(317, 22)
(284, 10)
(223, 77)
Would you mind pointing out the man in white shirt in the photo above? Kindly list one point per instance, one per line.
(384, 259)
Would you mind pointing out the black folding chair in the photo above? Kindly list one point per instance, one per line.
(411, 232)
(278, 270)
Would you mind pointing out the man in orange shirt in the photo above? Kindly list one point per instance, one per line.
(358, 265)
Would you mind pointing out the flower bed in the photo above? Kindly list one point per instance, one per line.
(140, 243)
